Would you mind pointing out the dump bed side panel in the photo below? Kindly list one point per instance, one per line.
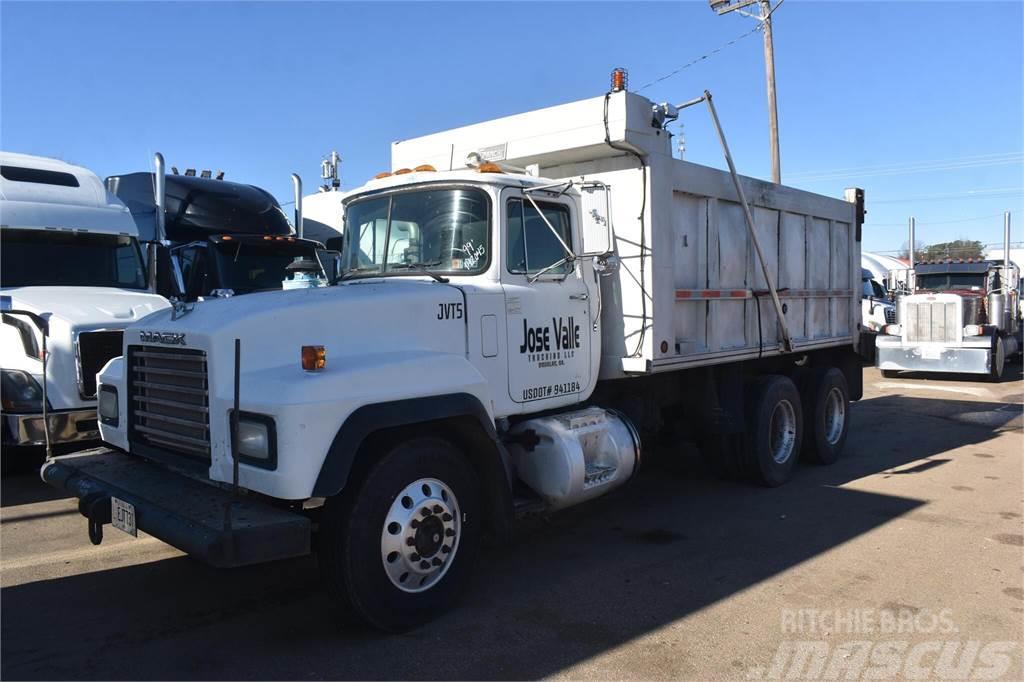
(704, 298)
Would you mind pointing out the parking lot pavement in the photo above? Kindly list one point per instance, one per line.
(904, 559)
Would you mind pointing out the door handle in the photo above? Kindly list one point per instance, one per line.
(579, 297)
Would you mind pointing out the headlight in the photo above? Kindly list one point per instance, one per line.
(256, 440)
(107, 407)
(21, 392)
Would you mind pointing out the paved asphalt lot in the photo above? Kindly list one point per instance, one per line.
(679, 575)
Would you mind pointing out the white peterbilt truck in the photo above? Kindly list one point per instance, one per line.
(958, 316)
(72, 277)
(507, 329)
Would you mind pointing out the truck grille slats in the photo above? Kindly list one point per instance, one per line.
(94, 350)
(169, 402)
(938, 322)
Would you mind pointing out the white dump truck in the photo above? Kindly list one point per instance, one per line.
(72, 277)
(525, 301)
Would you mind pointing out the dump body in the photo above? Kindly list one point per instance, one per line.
(689, 289)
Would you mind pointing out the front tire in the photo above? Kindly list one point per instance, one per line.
(774, 429)
(998, 360)
(399, 550)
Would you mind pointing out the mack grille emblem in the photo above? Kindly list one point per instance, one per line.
(169, 338)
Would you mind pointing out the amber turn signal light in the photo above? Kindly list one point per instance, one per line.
(314, 358)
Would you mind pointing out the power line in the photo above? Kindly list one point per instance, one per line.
(951, 196)
(702, 57)
(979, 161)
(936, 222)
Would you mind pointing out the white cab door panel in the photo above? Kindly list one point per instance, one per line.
(547, 320)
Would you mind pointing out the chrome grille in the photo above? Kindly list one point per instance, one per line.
(936, 321)
(169, 404)
(94, 350)
(890, 316)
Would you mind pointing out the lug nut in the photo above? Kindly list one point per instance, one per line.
(449, 533)
(446, 517)
(438, 509)
(415, 523)
(415, 556)
(436, 561)
(425, 511)
(446, 549)
(410, 541)
(424, 565)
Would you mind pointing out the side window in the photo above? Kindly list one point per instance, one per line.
(531, 245)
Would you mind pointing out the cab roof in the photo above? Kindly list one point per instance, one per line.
(461, 176)
(39, 193)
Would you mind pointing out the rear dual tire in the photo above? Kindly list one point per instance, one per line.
(774, 429)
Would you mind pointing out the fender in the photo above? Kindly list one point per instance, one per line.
(496, 471)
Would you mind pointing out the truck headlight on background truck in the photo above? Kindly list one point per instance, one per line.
(21, 392)
(893, 330)
(257, 440)
(107, 405)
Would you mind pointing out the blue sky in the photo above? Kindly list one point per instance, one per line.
(918, 102)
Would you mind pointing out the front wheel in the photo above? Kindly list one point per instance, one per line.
(998, 360)
(400, 549)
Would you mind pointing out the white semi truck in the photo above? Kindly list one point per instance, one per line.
(958, 316)
(501, 341)
(72, 277)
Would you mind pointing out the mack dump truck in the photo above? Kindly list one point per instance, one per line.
(525, 301)
(72, 277)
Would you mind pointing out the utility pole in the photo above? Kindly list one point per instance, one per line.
(765, 17)
(769, 72)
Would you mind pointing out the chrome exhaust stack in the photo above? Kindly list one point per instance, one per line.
(297, 186)
(160, 200)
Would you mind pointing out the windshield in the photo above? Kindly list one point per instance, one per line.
(32, 258)
(942, 281)
(439, 230)
(872, 289)
(245, 267)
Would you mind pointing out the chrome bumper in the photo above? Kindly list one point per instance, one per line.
(975, 359)
(70, 426)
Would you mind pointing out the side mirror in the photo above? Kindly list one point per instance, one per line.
(169, 282)
(595, 219)
(330, 261)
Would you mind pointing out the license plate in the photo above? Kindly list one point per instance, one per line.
(931, 353)
(122, 516)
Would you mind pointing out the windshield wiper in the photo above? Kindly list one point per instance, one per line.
(354, 272)
(422, 269)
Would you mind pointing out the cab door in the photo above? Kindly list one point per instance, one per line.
(548, 314)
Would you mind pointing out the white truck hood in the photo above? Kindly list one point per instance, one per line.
(87, 306)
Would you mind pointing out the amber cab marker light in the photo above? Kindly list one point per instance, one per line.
(488, 167)
(314, 358)
(382, 174)
(403, 171)
(425, 168)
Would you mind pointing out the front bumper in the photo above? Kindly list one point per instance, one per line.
(69, 426)
(926, 358)
(197, 517)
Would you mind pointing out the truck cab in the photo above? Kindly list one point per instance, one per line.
(218, 238)
(962, 316)
(72, 270)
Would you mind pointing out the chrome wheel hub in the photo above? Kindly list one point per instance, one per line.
(782, 431)
(420, 535)
(835, 416)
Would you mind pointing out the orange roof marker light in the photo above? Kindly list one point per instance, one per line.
(620, 79)
(425, 168)
(403, 171)
(226, 237)
(383, 174)
(488, 167)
